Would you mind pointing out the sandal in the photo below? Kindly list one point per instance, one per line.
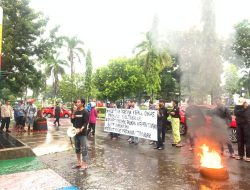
(83, 167)
(76, 166)
(179, 145)
(247, 159)
(232, 155)
(237, 157)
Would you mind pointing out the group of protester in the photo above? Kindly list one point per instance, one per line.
(162, 122)
(200, 127)
(216, 130)
(22, 112)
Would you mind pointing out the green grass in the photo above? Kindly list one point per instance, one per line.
(20, 165)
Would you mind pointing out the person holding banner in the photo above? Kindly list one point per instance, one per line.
(81, 119)
(134, 140)
(175, 120)
(162, 115)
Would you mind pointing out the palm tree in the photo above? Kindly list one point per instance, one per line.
(156, 59)
(55, 68)
(74, 50)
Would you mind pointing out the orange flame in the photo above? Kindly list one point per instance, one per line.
(210, 159)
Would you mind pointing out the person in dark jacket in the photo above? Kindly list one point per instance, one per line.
(195, 121)
(242, 113)
(162, 115)
(57, 114)
(223, 113)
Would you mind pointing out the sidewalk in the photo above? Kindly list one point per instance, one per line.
(29, 172)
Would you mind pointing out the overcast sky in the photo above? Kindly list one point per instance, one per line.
(112, 28)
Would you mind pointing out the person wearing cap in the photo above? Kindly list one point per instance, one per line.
(92, 119)
(6, 115)
(242, 113)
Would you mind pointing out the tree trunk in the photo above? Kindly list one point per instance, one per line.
(71, 60)
(56, 85)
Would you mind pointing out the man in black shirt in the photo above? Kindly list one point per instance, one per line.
(242, 113)
(161, 124)
(80, 123)
(57, 114)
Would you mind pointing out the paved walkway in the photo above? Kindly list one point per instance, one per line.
(117, 165)
(30, 172)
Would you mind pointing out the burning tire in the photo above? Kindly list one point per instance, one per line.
(214, 173)
(233, 135)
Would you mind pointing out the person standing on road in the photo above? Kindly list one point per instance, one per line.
(242, 113)
(152, 107)
(133, 106)
(195, 121)
(223, 113)
(161, 124)
(57, 114)
(92, 119)
(20, 116)
(175, 121)
(6, 115)
(80, 123)
(31, 113)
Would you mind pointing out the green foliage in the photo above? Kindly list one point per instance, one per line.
(231, 79)
(241, 45)
(101, 112)
(22, 27)
(72, 88)
(54, 68)
(155, 57)
(122, 78)
(73, 45)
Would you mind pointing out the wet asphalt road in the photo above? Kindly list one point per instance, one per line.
(119, 165)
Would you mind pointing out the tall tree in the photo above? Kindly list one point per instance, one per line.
(241, 47)
(75, 50)
(88, 75)
(231, 79)
(49, 46)
(22, 27)
(122, 78)
(156, 58)
(211, 62)
(55, 68)
(72, 88)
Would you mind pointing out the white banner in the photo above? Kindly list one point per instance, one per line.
(138, 123)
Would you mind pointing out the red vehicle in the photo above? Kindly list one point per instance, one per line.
(49, 112)
(205, 109)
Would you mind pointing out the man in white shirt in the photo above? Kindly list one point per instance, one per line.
(6, 115)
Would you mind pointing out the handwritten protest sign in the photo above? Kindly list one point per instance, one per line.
(138, 123)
